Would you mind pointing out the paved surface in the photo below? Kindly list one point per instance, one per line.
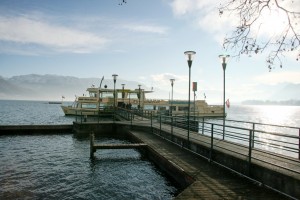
(211, 181)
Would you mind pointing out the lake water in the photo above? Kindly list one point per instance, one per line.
(279, 115)
(14, 112)
(58, 166)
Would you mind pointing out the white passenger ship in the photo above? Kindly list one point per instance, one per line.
(102, 100)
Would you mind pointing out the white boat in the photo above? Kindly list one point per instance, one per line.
(101, 100)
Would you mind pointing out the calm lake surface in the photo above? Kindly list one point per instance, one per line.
(58, 166)
(14, 112)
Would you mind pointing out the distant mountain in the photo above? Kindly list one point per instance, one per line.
(287, 92)
(52, 87)
(280, 94)
(268, 102)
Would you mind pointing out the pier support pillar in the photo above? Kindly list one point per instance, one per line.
(92, 150)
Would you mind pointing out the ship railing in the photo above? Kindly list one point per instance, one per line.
(85, 115)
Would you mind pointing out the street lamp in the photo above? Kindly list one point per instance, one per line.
(115, 79)
(139, 96)
(123, 92)
(172, 84)
(224, 60)
(189, 55)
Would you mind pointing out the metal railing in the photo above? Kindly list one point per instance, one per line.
(252, 135)
(282, 140)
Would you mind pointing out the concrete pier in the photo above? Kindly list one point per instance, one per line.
(35, 129)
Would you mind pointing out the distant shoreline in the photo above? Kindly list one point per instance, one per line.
(272, 103)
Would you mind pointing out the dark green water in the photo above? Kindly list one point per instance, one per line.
(59, 167)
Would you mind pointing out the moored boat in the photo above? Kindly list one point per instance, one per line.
(101, 100)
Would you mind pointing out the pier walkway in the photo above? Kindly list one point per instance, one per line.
(210, 180)
(248, 159)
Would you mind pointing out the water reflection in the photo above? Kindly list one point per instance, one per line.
(276, 114)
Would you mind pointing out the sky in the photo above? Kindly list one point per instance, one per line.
(140, 41)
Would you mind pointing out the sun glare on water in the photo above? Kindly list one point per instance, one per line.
(276, 114)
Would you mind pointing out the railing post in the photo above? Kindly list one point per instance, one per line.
(171, 127)
(159, 124)
(202, 125)
(299, 145)
(131, 118)
(211, 142)
(250, 151)
(151, 122)
(253, 128)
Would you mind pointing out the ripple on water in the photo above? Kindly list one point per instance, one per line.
(59, 167)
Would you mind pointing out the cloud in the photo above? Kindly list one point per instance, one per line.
(183, 7)
(164, 79)
(278, 77)
(146, 28)
(28, 31)
(205, 14)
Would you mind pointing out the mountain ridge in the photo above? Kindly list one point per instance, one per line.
(53, 87)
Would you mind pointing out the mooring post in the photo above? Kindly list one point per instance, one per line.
(92, 150)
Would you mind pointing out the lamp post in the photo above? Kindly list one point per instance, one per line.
(115, 79)
(189, 56)
(123, 92)
(224, 59)
(139, 96)
(172, 84)
(194, 90)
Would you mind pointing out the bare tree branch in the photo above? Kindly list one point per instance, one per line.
(245, 39)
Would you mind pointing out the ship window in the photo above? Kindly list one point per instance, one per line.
(93, 94)
(182, 108)
(89, 105)
(107, 95)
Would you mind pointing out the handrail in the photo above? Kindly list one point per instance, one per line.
(259, 123)
(270, 141)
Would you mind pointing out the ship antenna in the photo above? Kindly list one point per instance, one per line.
(101, 82)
